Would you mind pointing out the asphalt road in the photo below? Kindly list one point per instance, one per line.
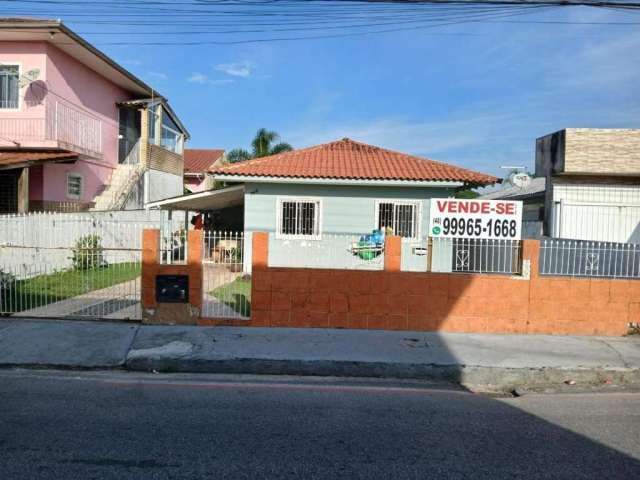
(56, 425)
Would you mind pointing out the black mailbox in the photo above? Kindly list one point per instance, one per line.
(172, 288)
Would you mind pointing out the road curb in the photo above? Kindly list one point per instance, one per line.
(475, 377)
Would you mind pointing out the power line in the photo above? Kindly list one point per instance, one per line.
(352, 17)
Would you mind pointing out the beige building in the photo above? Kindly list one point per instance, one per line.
(592, 183)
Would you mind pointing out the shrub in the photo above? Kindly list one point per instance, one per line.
(88, 253)
(6, 280)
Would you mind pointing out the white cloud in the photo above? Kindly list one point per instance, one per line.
(159, 75)
(241, 69)
(221, 81)
(481, 136)
(202, 79)
(198, 78)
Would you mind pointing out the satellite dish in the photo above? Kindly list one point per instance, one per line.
(519, 179)
(35, 93)
(29, 77)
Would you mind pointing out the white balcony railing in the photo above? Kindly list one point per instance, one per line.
(21, 130)
(68, 126)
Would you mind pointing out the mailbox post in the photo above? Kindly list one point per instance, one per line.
(171, 293)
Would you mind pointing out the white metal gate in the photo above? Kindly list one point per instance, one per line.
(226, 289)
(97, 283)
(73, 265)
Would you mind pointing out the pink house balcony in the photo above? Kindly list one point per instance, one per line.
(54, 125)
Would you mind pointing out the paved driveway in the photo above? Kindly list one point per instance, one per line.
(119, 301)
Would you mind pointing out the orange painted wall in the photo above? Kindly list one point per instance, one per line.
(151, 267)
(286, 297)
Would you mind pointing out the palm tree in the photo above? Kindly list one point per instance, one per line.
(262, 145)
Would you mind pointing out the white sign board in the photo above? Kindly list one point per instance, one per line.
(487, 219)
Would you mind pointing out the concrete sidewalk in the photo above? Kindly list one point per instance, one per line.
(500, 361)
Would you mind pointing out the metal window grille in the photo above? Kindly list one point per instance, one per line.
(299, 218)
(400, 218)
(74, 185)
(578, 258)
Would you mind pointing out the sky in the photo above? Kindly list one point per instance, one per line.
(475, 95)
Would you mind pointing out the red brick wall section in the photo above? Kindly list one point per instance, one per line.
(260, 250)
(150, 263)
(392, 252)
(393, 300)
(151, 267)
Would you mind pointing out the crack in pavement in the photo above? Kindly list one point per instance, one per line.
(618, 354)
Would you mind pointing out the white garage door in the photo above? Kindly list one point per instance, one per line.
(603, 222)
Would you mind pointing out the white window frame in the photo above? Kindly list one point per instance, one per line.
(283, 236)
(179, 142)
(19, 65)
(402, 202)
(154, 118)
(72, 195)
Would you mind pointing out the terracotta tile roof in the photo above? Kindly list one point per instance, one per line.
(348, 159)
(200, 161)
(15, 158)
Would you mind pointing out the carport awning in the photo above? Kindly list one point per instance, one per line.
(20, 158)
(203, 201)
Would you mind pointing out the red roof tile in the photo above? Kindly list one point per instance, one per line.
(347, 159)
(200, 161)
(14, 158)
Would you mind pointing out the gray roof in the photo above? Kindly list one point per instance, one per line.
(536, 187)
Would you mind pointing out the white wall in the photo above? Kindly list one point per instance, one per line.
(39, 243)
(160, 185)
(609, 213)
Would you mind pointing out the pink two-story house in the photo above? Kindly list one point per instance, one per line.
(77, 130)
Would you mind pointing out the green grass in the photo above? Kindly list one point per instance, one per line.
(236, 295)
(54, 287)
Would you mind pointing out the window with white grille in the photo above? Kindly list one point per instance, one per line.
(399, 217)
(9, 86)
(298, 218)
(74, 185)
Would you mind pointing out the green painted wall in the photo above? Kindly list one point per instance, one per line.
(345, 209)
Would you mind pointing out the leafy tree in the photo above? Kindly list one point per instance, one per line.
(238, 155)
(263, 144)
(466, 194)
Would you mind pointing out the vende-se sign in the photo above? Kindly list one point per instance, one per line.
(489, 219)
